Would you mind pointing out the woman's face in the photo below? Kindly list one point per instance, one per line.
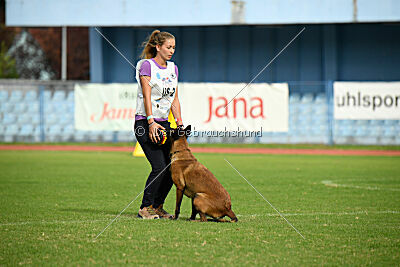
(167, 49)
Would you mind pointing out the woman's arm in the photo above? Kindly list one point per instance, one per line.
(144, 81)
(176, 109)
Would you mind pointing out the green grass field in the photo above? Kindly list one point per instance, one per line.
(53, 204)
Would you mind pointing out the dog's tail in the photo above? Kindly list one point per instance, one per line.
(232, 215)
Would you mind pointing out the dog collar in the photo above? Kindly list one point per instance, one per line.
(171, 154)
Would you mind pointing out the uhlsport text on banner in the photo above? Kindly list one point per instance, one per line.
(367, 100)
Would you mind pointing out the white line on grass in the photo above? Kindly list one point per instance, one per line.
(324, 213)
(331, 184)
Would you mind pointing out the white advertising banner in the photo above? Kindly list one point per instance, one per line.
(109, 107)
(258, 107)
(367, 100)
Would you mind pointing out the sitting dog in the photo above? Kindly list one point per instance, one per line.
(194, 180)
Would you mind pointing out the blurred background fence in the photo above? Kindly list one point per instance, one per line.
(43, 111)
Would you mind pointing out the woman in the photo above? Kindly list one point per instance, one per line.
(157, 93)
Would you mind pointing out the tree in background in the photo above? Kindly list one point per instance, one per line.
(31, 62)
(7, 64)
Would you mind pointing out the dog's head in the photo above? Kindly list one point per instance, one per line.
(178, 138)
(180, 132)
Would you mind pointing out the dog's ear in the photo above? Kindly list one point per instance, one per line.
(173, 133)
(188, 130)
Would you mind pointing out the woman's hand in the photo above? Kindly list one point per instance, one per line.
(153, 132)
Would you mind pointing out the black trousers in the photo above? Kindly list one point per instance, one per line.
(159, 182)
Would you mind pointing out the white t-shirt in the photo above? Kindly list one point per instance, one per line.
(163, 83)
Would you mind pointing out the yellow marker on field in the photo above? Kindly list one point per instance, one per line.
(138, 152)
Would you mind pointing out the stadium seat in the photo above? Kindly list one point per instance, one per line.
(397, 141)
(24, 119)
(60, 107)
(321, 119)
(71, 107)
(64, 120)
(293, 109)
(2, 129)
(320, 98)
(19, 108)
(108, 136)
(53, 133)
(375, 132)
(320, 109)
(69, 117)
(348, 131)
(27, 130)
(397, 129)
(35, 119)
(317, 131)
(29, 133)
(305, 109)
(7, 107)
(80, 136)
(50, 119)
(361, 131)
(16, 96)
(389, 122)
(33, 108)
(375, 122)
(48, 108)
(59, 96)
(67, 133)
(31, 96)
(361, 123)
(276, 138)
(294, 98)
(389, 131)
(94, 136)
(344, 123)
(71, 96)
(3, 96)
(11, 133)
(47, 96)
(293, 119)
(9, 118)
(125, 136)
(304, 120)
(307, 98)
(337, 131)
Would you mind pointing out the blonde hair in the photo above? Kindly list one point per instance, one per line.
(155, 38)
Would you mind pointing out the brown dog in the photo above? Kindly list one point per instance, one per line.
(194, 180)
